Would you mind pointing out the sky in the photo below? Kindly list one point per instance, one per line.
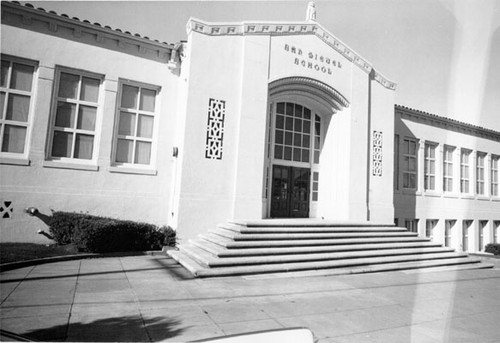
(444, 55)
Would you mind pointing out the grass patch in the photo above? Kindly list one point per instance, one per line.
(16, 252)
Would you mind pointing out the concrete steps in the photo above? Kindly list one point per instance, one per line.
(259, 247)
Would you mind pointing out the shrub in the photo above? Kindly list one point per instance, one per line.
(62, 225)
(101, 234)
(493, 248)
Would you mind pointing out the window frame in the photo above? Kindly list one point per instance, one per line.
(428, 161)
(463, 166)
(98, 119)
(406, 168)
(17, 157)
(448, 163)
(480, 174)
(136, 167)
(495, 162)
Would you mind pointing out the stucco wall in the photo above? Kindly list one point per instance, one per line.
(56, 186)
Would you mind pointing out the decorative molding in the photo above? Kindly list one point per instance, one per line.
(297, 83)
(284, 29)
(447, 123)
(215, 129)
(377, 153)
(6, 210)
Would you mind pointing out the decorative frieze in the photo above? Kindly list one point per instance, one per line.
(215, 129)
(282, 29)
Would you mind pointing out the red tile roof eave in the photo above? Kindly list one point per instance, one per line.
(447, 120)
(96, 26)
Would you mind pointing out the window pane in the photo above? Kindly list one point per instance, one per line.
(280, 122)
(143, 152)
(90, 89)
(147, 100)
(22, 77)
(61, 146)
(288, 138)
(307, 113)
(68, 86)
(280, 108)
(296, 154)
(86, 118)
(289, 109)
(278, 152)
(316, 157)
(18, 108)
(4, 73)
(13, 139)
(297, 139)
(84, 146)
(289, 123)
(306, 141)
(288, 154)
(278, 138)
(298, 125)
(65, 115)
(127, 124)
(145, 126)
(305, 155)
(129, 97)
(124, 151)
(306, 127)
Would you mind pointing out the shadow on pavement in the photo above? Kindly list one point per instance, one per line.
(116, 329)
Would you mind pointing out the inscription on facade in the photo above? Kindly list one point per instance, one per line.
(312, 60)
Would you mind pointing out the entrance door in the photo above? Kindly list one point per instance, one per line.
(290, 192)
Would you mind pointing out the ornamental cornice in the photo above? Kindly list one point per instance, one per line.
(27, 17)
(287, 29)
(437, 121)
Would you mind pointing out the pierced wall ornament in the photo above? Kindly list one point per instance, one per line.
(215, 129)
(377, 153)
(6, 210)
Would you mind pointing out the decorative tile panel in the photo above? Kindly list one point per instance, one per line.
(215, 129)
(377, 153)
(6, 209)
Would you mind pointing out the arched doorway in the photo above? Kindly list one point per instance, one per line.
(299, 113)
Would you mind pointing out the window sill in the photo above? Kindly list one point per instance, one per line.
(495, 198)
(69, 165)
(432, 194)
(128, 170)
(482, 197)
(15, 161)
(451, 195)
(467, 196)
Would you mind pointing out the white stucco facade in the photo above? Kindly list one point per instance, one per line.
(249, 120)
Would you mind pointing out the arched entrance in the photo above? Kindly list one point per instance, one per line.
(299, 113)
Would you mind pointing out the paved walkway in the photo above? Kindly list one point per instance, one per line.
(151, 298)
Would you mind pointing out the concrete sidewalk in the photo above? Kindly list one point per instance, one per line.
(151, 298)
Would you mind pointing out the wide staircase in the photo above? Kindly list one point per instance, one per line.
(313, 247)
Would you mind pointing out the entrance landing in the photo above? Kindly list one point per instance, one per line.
(305, 222)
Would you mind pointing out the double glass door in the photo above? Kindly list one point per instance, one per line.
(290, 192)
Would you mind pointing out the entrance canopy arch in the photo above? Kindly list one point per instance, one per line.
(330, 99)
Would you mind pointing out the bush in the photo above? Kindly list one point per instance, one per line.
(101, 234)
(493, 248)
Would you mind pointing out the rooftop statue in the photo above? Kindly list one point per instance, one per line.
(311, 11)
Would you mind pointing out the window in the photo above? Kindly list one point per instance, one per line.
(409, 163)
(75, 115)
(448, 169)
(136, 120)
(430, 224)
(466, 224)
(480, 173)
(315, 186)
(16, 93)
(464, 171)
(297, 134)
(430, 167)
(447, 232)
(411, 225)
(494, 175)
